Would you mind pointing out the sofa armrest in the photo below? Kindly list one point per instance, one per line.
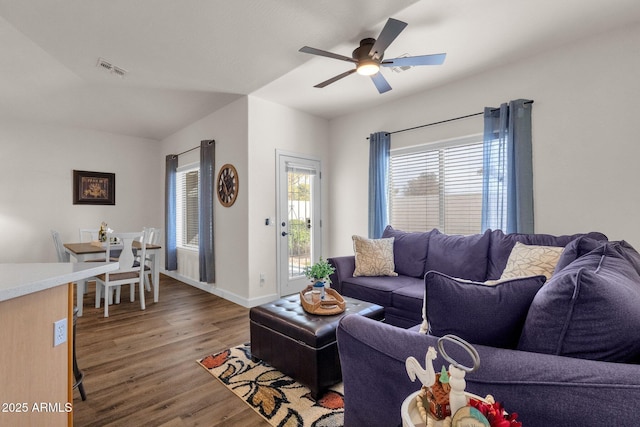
(543, 389)
(345, 266)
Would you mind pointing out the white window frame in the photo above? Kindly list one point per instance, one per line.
(180, 206)
(416, 213)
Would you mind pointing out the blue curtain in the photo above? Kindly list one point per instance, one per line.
(507, 196)
(170, 251)
(206, 202)
(379, 145)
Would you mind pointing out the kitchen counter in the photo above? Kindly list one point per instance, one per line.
(36, 371)
(17, 280)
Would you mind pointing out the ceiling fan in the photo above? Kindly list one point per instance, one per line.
(368, 57)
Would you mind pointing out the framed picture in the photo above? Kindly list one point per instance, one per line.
(94, 188)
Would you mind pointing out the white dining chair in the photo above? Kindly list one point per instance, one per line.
(153, 237)
(63, 256)
(88, 234)
(129, 273)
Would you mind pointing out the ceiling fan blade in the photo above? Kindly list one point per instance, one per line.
(381, 83)
(314, 51)
(336, 78)
(391, 30)
(435, 59)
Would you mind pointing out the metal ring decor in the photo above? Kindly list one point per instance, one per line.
(466, 346)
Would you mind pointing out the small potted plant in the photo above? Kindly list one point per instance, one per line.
(320, 271)
(319, 274)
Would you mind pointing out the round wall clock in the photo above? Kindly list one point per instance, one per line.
(227, 185)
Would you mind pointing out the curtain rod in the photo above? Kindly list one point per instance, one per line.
(448, 120)
(211, 141)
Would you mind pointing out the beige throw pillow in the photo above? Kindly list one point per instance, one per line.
(530, 260)
(374, 257)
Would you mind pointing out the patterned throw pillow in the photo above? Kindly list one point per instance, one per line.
(374, 257)
(530, 260)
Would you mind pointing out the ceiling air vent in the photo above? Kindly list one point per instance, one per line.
(107, 66)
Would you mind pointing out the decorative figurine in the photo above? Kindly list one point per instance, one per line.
(426, 376)
(457, 399)
(442, 401)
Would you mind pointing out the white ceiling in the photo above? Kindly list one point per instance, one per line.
(185, 59)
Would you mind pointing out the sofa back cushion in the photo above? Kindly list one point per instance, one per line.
(589, 310)
(501, 244)
(629, 253)
(409, 250)
(459, 256)
(479, 313)
(575, 249)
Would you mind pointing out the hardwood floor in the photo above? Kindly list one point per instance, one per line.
(140, 367)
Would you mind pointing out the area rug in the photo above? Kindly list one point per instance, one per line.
(279, 399)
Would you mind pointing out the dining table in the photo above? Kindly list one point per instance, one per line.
(87, 251)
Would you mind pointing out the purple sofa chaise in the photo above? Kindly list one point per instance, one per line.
(561, 353)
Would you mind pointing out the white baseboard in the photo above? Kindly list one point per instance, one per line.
(229, 296)
(253, 302)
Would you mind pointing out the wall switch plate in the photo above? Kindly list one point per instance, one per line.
(59, 332)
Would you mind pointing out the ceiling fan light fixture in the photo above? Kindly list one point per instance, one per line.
(368, 67)
(368, 57)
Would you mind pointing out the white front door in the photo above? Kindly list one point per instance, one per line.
(298, 219)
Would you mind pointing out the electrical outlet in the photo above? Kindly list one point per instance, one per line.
(263, 278)
(59, 332)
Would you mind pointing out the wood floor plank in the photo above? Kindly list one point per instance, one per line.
(140, 366)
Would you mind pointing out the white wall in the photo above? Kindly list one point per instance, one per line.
(228, 127)
(247, 134)
(271, 127)
(585, 138)
(36, 186)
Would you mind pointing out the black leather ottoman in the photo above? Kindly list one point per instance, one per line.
(302, 345)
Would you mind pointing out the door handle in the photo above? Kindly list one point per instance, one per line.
(284, 233)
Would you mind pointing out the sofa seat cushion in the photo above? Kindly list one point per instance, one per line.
(410, 250)
(378, 290)
(409, 299)
(459, 256)
(589, 310)
(479, 313)
(501, 245)
(402, 319)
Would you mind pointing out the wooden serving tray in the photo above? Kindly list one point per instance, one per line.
(333, 303)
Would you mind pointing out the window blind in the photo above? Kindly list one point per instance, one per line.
(437, 186)
(300, 169)
(187, 212)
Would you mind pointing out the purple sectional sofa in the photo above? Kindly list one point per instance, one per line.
(561, 353)
(477, 257)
